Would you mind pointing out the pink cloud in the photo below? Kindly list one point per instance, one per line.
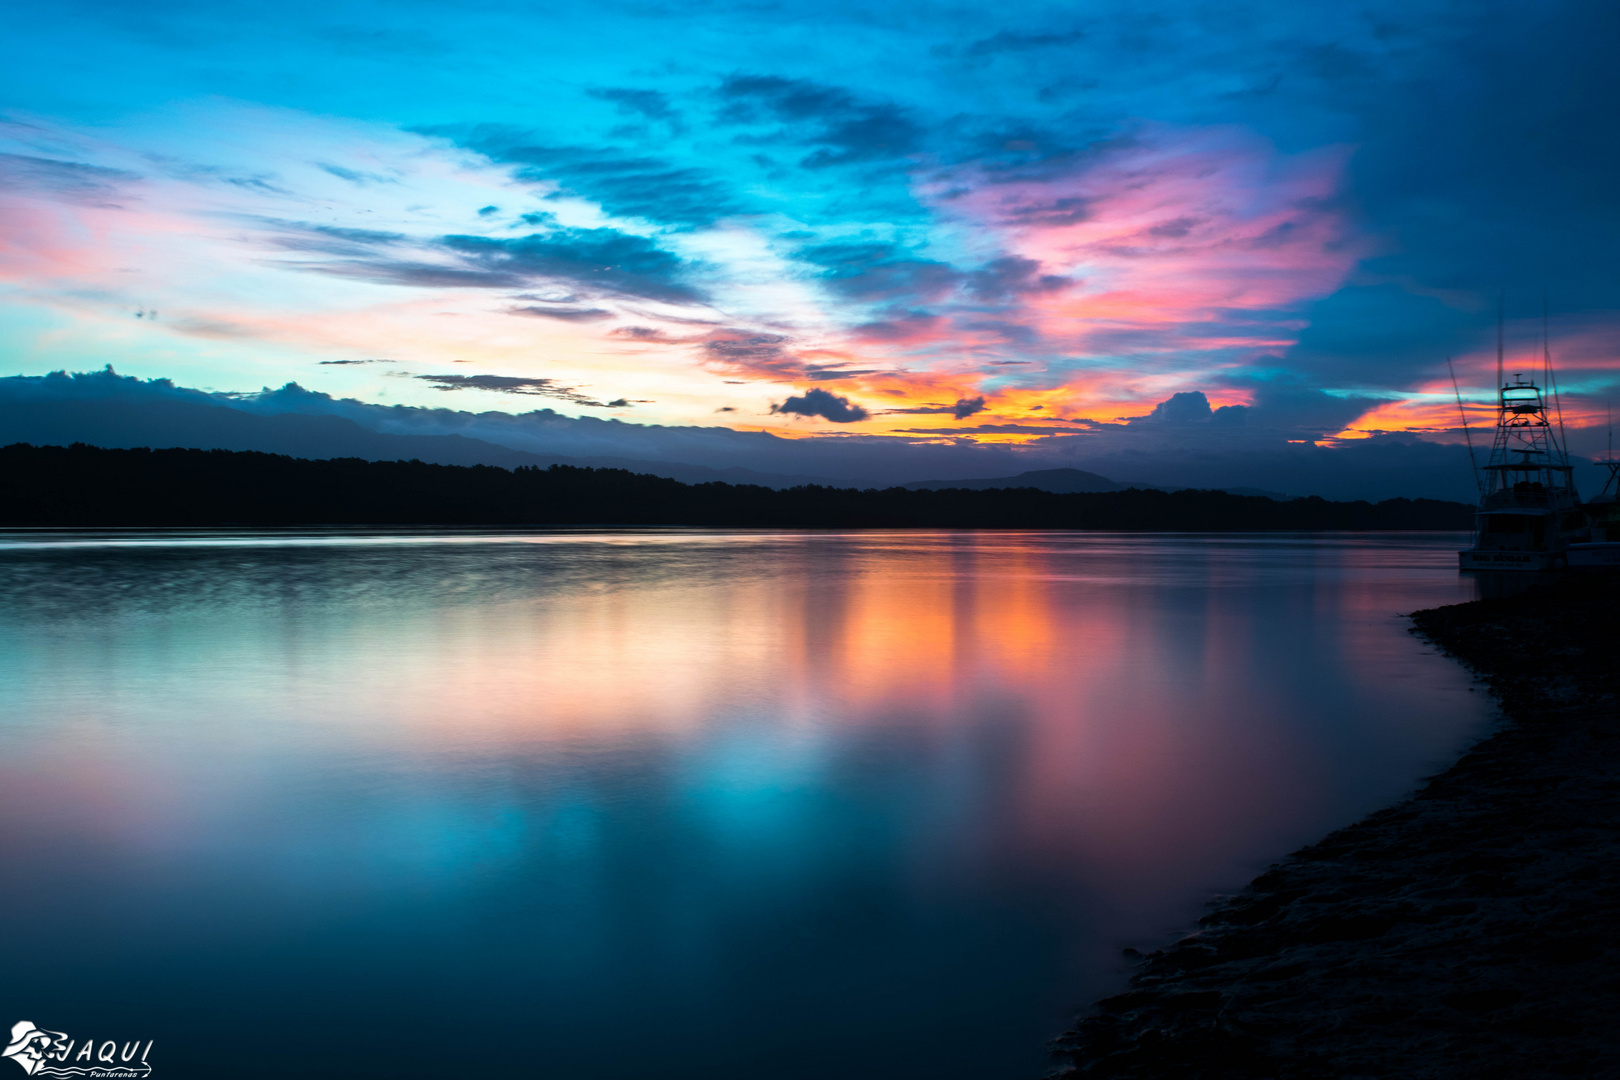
(1167, 234)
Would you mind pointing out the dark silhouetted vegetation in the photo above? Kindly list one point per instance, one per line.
(83, 485)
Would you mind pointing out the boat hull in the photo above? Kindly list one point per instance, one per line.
(1601, 555)
(1491, 559)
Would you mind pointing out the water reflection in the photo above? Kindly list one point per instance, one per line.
(709, 804)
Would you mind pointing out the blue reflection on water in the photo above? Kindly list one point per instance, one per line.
(680, 803)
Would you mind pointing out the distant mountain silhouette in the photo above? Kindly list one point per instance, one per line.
(160, 424)
(104, 408)
(1065, 481)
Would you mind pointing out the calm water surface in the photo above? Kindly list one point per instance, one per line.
(676, 804)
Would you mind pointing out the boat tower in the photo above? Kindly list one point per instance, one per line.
(1529, 510)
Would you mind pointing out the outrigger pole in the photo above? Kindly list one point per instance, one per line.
(1479, 486)
(1501, 303)
(1552, 376)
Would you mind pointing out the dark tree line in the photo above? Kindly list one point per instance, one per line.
(83, 485)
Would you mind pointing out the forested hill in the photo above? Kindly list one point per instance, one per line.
(88, 486)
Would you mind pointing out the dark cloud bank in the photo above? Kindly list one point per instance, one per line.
(1183, 444)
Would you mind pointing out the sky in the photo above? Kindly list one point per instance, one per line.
(1071, 232)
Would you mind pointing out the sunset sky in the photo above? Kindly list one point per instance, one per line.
(930, 221)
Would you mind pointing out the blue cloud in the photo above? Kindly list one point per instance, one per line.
(870, 271)
(631, 185)
(599, 262)
(648, 104)
(844, 129)
(605, 259)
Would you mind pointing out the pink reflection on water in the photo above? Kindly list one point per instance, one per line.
(791, 789)
(1137, 717)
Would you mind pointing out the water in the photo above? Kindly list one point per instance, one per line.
(678, 804)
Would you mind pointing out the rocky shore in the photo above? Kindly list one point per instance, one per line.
(1468, 932)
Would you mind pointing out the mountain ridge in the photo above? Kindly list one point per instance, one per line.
(1069, 481)
(179, 424)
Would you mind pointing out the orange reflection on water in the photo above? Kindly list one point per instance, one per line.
(1130, 706)
(685, 784)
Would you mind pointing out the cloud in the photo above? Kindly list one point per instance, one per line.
(356, 176)
(1005, 331)
(329, 239)
(1183, 408)
(561, 312)
(510, 384)
(834, 372)
(650, 334)
(1009, 41)
(1012, 276)
(828, 406)
(604, 259)
(624, 185)
(964, 408)
(341, 363)
(70, 181)
(1171, 249)
(754, 352)
(846, 129)
(887, 273)
(650, 104)
(1052, 210)
(599, 261)
(873, 272)
(904, 327)
(993, 429)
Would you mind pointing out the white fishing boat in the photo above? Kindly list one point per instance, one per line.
(1529, 511)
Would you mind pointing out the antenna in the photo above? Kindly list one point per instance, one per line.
(1552, 378)
(1467, 437)
(1501, 303)
(1546, 353)
(1608, 459)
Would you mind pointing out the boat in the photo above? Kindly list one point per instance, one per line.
(1529, 511)
(1601, 548)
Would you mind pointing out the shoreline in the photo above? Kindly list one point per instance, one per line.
(1464, 932)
